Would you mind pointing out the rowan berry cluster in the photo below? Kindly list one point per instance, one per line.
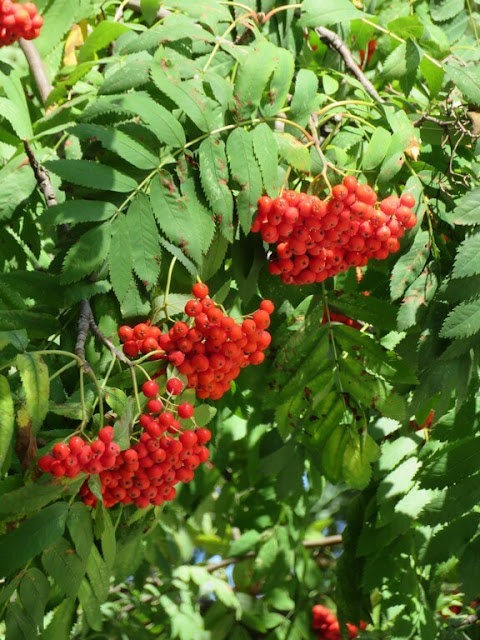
(327, 627)
(18, 21)
(146, 473)
(210, 349)
(79, 456)
(316, 239)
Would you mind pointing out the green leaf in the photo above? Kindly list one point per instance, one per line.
(410, 265)
(252, 77)
(376, 148)
(98, 575)
(19, 545)
(108, 540)
(466, 78)
(293, 151)
(204, 414)
(18, 624)
(19, 119)
(317, 13)
(129, 72)
(468, 255)
(79, 523)
(358, 456)
(442, 10)
(94, 175)
(90, 605)
(30, 498)
(120, 257)
(433, 74)
(76, 211)
(39, 325)
(189, 96)
(61, 622)
(163, 124)
(244, 543)
(463, 321)
(303, 101)
(34, 592)
(149, 10)
(246, 174)
(102, 35)
(214, 177)
(333, 452)
(87, 254)
(467, 210)
(280, 83)
(120, 143)
(265, 149)
(123, 426)
(417, 296)
(407, 27)
(180, 223)
(7, 420)
(34, 374)
(15, 186)
(64, 566)
(469, 569)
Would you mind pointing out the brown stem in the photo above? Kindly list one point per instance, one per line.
(41, 176)
(37, 68)
(135, 6)
(328, 541)
(83, 329)
(333, 41)
(104, 340)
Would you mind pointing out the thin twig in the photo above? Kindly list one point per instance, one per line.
(103, 338)
(41, 176)
(37, 68)
(83, 328)
(333, 41)
(135, 6)
(328, 541)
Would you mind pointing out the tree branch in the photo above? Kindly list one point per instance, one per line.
(333, 41)
(104, 340)
(41, 176)
(37, 68)
(135, 6)
(328, 541)
(83, 328)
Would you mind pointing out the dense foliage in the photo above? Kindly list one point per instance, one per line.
(343, 468)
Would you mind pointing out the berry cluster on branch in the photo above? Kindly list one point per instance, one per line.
(210, 349)
(18, 21)
(327, 627)
(146, 473)
(316, 239)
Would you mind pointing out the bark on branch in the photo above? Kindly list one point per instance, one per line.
(333, 41)
(328, 541)
(41, 176)
(37, 68)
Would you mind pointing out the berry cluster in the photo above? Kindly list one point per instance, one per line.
(210, 349)
(18, 21)
(147, 472)
(326, 625)
(316, 239)
(79, 456)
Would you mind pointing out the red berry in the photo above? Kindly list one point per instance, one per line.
(339, 192)
(75, 444)
(261, 319)
(193, 308)
(185, 410)
(131, 349)
(200, 290)
(204, 435)
(60, 451)
(150, 389)
(174, 386)
(125, 333)
(154, 406)
(140, 331)
(268, 306)
(45, 463)
(106, 434)
(407, 200)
